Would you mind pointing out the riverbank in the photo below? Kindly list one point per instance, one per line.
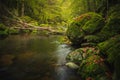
(97, 42)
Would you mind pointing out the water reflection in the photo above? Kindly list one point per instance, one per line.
(33, 58)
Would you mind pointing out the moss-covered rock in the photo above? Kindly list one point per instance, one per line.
(88, 44)
(111, 48)
(114, 11)
(75, 56)
(94, 25)
(93, 67)
(80, 54)
(112, 26)
(111, 29)
(92, 38)
(90, 29)
(91, 64)
(89, 23)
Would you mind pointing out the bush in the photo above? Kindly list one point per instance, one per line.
(3, 30)
(26, 19)
(13, 31)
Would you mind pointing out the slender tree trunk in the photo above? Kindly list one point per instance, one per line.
(107, 7)
(22, 8)
(88, 5)
(94, 5)
(18, 14)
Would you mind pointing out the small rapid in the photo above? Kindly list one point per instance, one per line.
(62, 70)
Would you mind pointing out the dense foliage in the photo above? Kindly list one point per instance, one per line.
(45, 11)
(93, 25)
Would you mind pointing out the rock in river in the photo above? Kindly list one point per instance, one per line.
(72, 65)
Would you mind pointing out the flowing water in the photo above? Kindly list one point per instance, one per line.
(34, 58)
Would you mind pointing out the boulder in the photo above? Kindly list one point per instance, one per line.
(72, 65)
(80, 54)
(89, 23)
(75, 56)
(112, 26)
(93, 67)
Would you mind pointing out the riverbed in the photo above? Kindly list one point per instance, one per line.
(34, 57)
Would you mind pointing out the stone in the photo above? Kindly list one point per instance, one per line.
(72, 65)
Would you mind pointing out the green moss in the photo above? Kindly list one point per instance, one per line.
(81, 54)
(3, 30)
(75, 56)
(111, 29)
(88, 44)
(74, 33)
(89, 23)
(111, 48)
(92, 38)
(13, 31)
(95, 24)
(26, 19)
(114, 11)
(93, 67)
(112, 26)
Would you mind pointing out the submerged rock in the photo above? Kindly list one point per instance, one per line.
(6, 60)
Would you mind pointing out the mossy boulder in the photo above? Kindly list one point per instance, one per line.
(111, 48)
(75, 56)
(92, 38)
(89, 23)
(112, 26)
(91, 64)
(114, 10)
(111, 29)
(93, 67)
(80, 54)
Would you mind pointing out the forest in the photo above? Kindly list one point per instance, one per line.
(85, 42)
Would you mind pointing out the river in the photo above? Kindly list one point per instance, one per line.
(27, 57)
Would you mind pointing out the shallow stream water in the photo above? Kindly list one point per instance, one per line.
(27, 57)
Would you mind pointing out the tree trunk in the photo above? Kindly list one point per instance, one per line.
(94, 5)
(22, 8)
(88, 5)
(107, 8)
